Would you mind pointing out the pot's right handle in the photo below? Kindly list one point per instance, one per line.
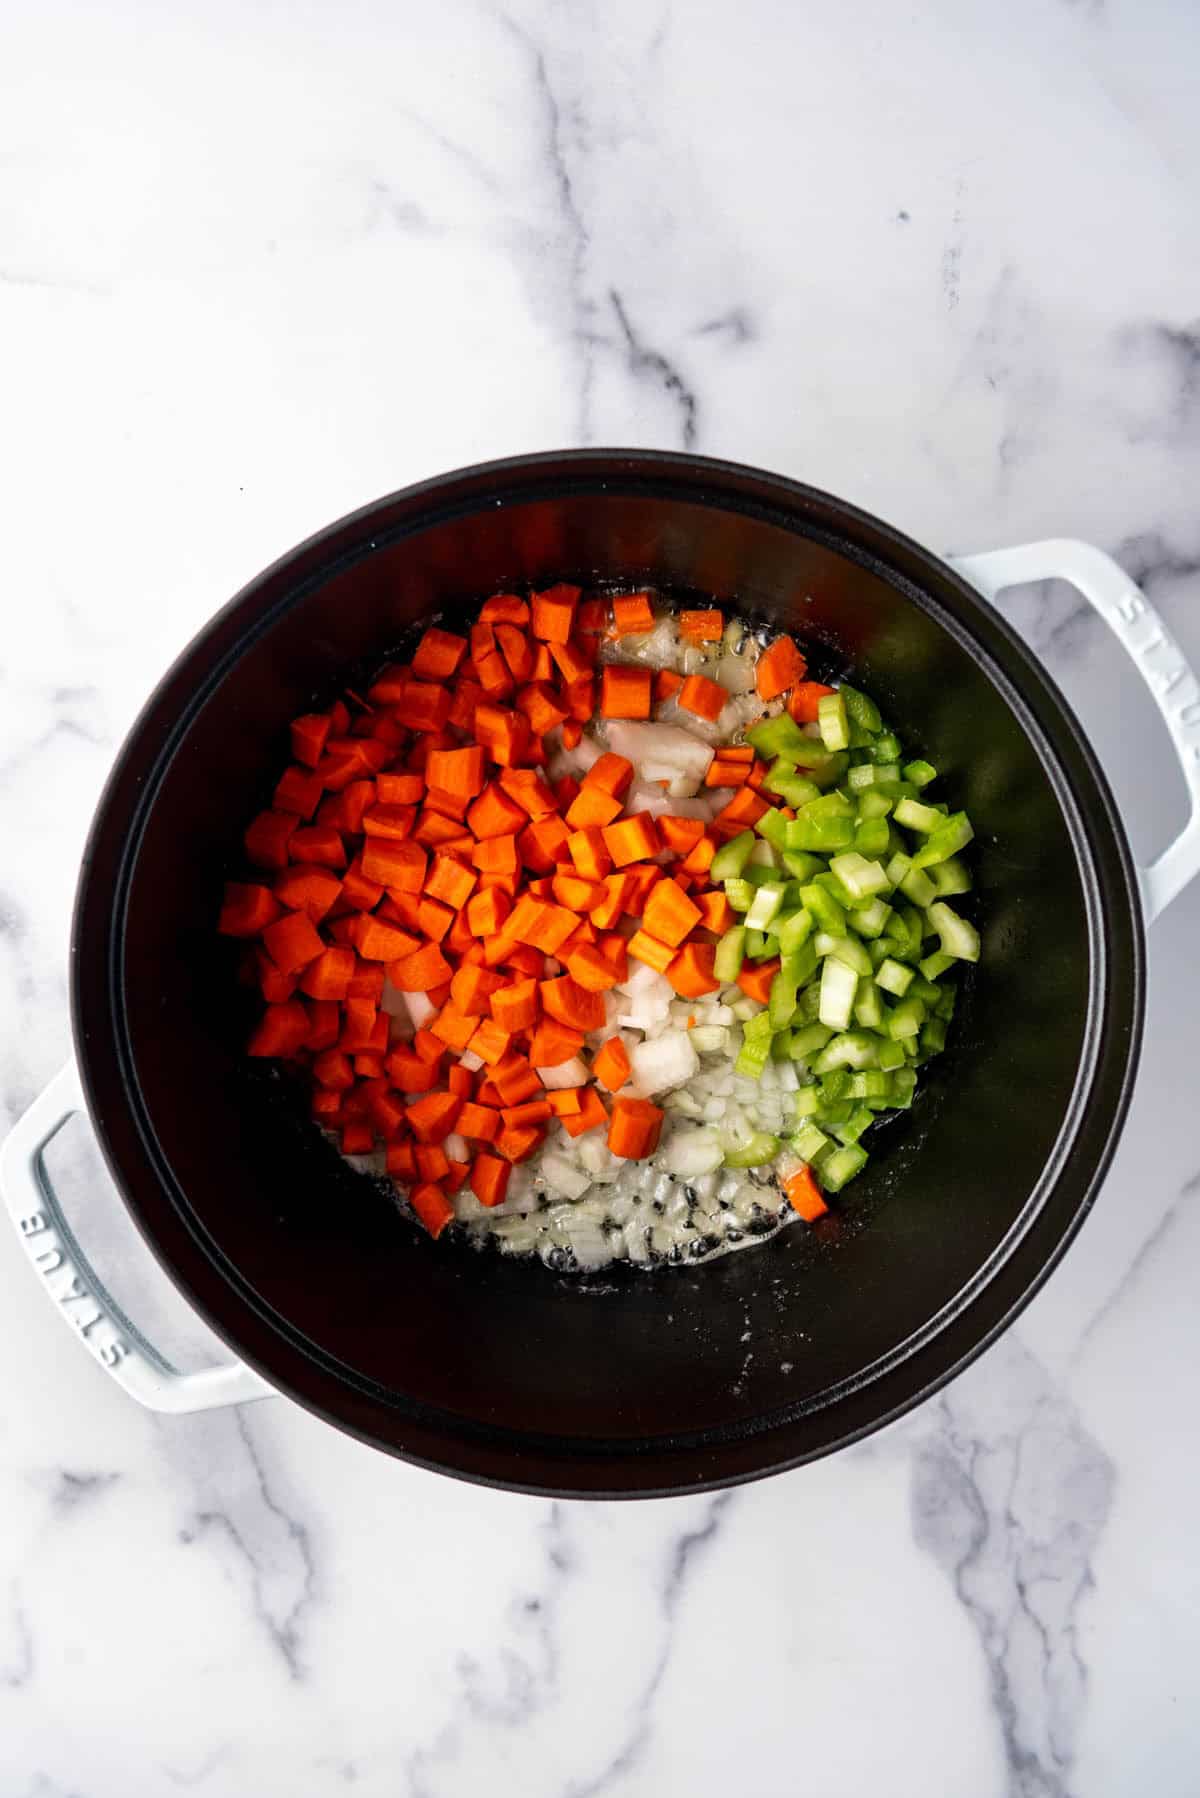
(1160, 662)
(72, 1284)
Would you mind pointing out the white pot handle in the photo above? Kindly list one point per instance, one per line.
(1159, 659)
(72, 1285)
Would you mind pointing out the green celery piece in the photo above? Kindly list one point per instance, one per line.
(871, 836)
(838, 984)
(730, 953)
(740, 894)
(765, 906)
(860, 1119)
(808, 1040)
(783, 779)
(904, 1085)
(873, 806)
(731, 857)
(840, 1167)
(854, 1049)
(933, 1036)
(935, 965)
(914, 816)
(801, 865)
(905, 1020)
(918, 887)
(959, 938)
(947, 998)
(861, 878)
(763, 855)
(823, 835)
(921, 989)
(756, 1153)
(756, 943)
(844, 949)
(759, 874)
(891, 1056)
(894, 977)
(868, 1006)
(837, 892)
(950, 877)
(861, 710)
(807, 1102)
(827, 914)
(793, 929)
(782, 1000)
(773, 826)
(780, 736)
(833, 722)
(803, 962)
(872, 1083)
(835, 1088)
(808, 1005)
(879, 948)
(886, 748)
(899, 865)
(830, 805)
(808, 1141)
(919, 774)
(950, 836)
(870, 920)
(861, 778)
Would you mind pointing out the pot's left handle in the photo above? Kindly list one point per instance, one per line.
(72, 1284)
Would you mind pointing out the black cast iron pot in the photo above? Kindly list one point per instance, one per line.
(631, 1383)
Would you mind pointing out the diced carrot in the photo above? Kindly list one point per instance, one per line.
(610, 1064)
(701, 627)
(670, 914)
(590, 1116)
(517, 651)
(632, 839)
(667, 683)
(282, 1030)
(778, 668)
(308, 737)
(425, 707)
(632, 614)
(432, 1118)
(333, 1070)
(514, 1079)
(743, 810)
(581, 703)
(625, 692)
(705, 698)
(564, 1101)
(520, 1143)
(416, 973)
(292, 942)
(515, 1005)
(438, 654)
(634, 1128)
(610, 773)
(486, 912)
(616, 887)
(540, 708)
(504, 608)
(366, 982)
(494, 814)
(588, 968)
(449, 881)
(460, 1081)
(534, 1111)
(691, 973)
(647, 948)
(318, 844)
(805, 699)
(472, 988)
(756, 977)
(410, 1073)
(572, 665)
(432, 1162)
(553, 1043)
(357, 1138)
(299, 791)
(526, 788)
(328, 975)
(432, 1207)
(553, 613)
(592, 807)
(246, 910)
(479, 1122)
(266, 839)
(399, 865)
(377, 941)
(716, 913)
(699, 860)
(589, 852)
(457, 771)
(572, 733)
(571, 1004)
(680, 834)
(392, 821)
(401, 1161)
(805, 1195)
(451, 1028)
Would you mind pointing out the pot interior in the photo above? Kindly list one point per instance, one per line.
(533, 1370)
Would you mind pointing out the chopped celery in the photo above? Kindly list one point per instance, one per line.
(933, 1036)
(870, 920)
(873, 805)
(915, 816)
(740, 894)
(808, 1040)
(773, 826)
(835, 1088)
(904, 1084)
(837, 892)
(825, 835)
(871, 1083)
(905, 1019)
(951, 835)
(868, 1006)
(756, 943)
(760, 1149)
(947, 996)
(894, 977)
(856, 1049)
(838, 983)
(832, 719)
(860, 1119)
(861, 710)
(808, 1141)
(886, 748)
(793, 929)
(843, 949)
(891, 1056)
(762, 855)
(861, 778)
(861, 878)
(801, 865)
(950, 877)
(732, 857)
(730, 954)
(842, 1166)
(827, 914)
(879, 948)
(919, 773)
(959, 938)
(935, 965)
(919, 888)
(765, 905)
(807, 1102)
(780, 736)
(871, 836)
(782, 1001)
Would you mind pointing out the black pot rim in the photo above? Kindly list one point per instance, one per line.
(1013, 1274)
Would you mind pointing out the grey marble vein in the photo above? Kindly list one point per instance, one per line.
(1011, 1494)
(647, 363)
(17, 1666)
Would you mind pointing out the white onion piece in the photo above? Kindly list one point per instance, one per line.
(420, 1008)
(567, 1073)
(564, 1176)
(659, 751)
(693, 1152)
(665, 1062)
(396, 1005)
(469, 1060)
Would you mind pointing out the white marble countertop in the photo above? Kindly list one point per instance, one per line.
(260, 264)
